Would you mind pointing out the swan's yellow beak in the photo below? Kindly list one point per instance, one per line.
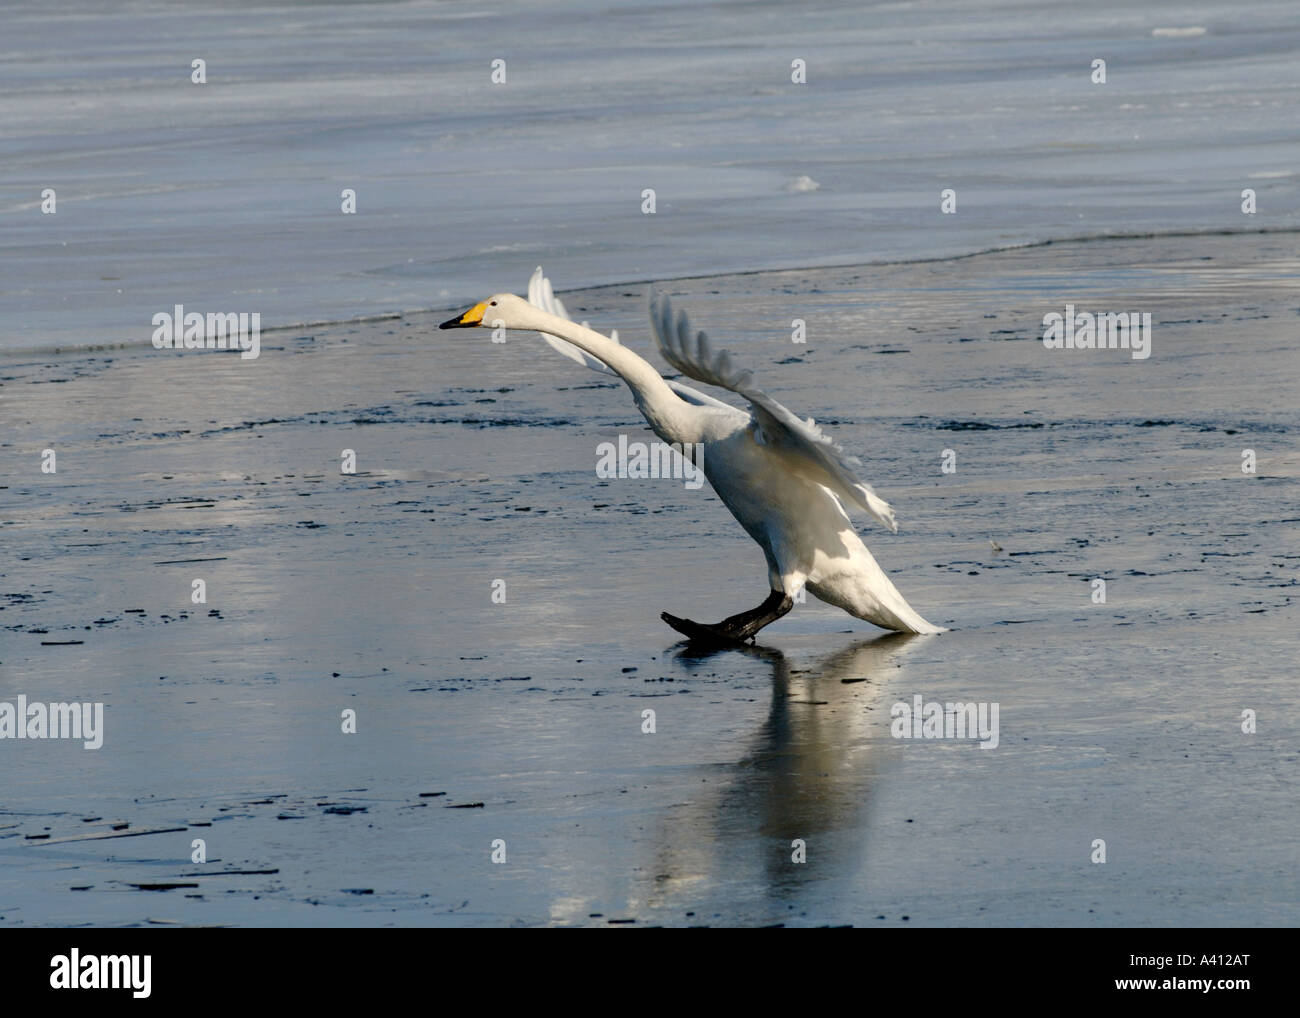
(471, 318)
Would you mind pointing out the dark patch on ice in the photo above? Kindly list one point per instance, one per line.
(987, 426)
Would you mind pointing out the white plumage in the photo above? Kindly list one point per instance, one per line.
(785, 480)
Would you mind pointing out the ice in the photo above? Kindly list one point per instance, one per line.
(225, 196)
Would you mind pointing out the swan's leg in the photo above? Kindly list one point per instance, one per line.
(737, 628)
(746, 624)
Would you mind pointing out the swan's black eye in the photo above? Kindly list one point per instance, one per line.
(493, 304)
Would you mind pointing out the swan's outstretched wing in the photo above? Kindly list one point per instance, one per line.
(822, 459)
(541, 295)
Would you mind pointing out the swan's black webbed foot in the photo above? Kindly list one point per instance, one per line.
(700, 632)
(737, 628)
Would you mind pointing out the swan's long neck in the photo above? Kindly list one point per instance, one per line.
(669, 416)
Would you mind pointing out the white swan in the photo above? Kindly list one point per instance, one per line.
(782, 478)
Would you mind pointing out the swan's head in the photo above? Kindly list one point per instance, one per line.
(501, 310)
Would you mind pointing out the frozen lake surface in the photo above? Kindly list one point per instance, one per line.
(225, 196)
(521, 721)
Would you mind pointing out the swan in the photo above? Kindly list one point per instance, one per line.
(784, 479)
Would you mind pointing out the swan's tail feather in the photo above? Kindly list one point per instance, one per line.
(863, 590)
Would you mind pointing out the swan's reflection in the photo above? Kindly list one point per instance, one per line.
(806, 775)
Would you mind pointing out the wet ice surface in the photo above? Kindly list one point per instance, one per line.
(226, 196)
(522, 722)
